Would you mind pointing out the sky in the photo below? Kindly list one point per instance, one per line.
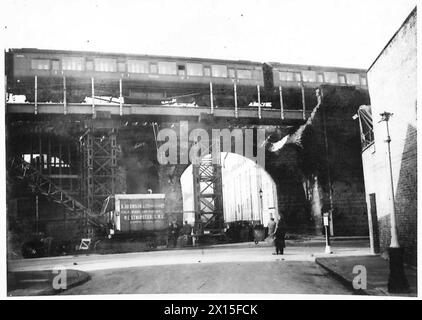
(346, 33)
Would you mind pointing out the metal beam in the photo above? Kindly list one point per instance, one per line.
(36, 96)
(259, 102)
(280, 90)
(62, 176)
(303, 102)
(156, 111)
(121, 96)
(211, 99)
(93, 97)
(64, 96)
(235, 100)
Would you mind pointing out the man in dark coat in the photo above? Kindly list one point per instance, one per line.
(187, 229)
(175, 233)
(280, 233)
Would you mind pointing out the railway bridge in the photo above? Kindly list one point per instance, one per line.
(65, 157)
(88, 158)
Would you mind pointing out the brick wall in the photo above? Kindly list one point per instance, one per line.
(392, 88)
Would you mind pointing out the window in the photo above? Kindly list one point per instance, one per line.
(320, 77)
(298, 76)
(207, 71)
(286, 76)
(331, 77)
(137, 66)
(181, 70)
(121, 66)
(363, 80)
(153, 68)
(257, 73)
(167, 67)
(309, 76)
(194, 69)
(353, 78)
(55, 65)
(73, 63)
(105, 65)
(232, 73)
(40, 64)
(342, 78)
(244, 74)
(219, 70)
(90, 65)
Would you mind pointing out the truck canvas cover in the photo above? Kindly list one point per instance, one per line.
(140, 212)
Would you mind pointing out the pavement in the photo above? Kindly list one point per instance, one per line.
(39, 283)
(346, 269)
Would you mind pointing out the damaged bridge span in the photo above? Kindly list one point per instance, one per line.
(317, 169)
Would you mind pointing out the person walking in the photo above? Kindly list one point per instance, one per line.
(279, 235)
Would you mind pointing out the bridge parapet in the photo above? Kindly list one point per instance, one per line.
(157, 111)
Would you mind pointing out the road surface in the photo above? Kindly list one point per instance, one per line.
(241, 268)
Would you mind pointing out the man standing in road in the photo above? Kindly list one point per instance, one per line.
(186, 233)
(279, 235)
(187, 229)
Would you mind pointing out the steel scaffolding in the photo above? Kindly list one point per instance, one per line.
(208, 196)
(99, 152)
(40, 184)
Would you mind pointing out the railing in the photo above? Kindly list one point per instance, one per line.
(121, 106)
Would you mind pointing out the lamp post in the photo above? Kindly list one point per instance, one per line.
(326, 219)
(261, 205)
(397, 282)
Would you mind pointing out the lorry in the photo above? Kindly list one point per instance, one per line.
(140, 217)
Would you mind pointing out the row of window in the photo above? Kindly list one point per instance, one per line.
(330, 77)
(190, 69)
(142, 66)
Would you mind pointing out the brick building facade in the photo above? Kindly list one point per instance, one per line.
(392, 88)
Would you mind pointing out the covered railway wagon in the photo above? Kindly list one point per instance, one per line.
(166, 80)
(141, 79)
(137, 216)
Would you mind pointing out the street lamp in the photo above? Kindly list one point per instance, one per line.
(261, 205)
(326, 219)
(397, 282)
